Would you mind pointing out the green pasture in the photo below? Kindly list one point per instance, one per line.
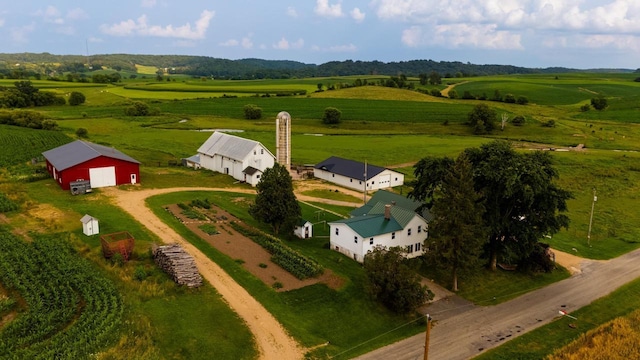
(549, 90)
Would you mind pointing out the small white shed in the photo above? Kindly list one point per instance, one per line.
(304, 229)
(90, 225)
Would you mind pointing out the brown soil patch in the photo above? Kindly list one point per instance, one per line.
(242, 249)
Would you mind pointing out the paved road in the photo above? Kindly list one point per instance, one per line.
(468, 334)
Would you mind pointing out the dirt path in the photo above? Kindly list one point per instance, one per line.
(271, 338)
(445, 91)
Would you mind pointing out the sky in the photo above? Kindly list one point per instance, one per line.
(531, 33)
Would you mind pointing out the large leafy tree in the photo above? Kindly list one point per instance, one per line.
(483, 119)
(522, 203)
(276, 203)
(457, 231)
(392, 281)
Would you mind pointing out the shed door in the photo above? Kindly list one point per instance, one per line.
(101, 177)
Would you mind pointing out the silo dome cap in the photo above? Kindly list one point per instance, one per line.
(283, 115)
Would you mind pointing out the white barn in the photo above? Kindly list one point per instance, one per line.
(388, 220)
(90, 225)
(245, 160)
(354, 174)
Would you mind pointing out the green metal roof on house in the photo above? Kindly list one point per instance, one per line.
(387, 197)
(402, 216)
(371, 225)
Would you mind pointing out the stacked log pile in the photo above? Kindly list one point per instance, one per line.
(173, 260)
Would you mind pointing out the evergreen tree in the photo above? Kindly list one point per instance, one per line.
(275, 203)
(456, 233)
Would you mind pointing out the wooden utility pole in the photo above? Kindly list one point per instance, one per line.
(426, 339)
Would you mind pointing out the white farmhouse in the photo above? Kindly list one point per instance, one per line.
(245, 160)
(354, 174)
(388, 220)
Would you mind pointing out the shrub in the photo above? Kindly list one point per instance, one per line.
(252, 112)
(76, 98)
(599, 103)
(482, 118)
(510, 98)
(49, 125)
(140, 273)
(331, 116)
(585, 107)
(435, 92)
(82, 132)
(518, 120)
(550, 123)
(522, 100)
(138, 108)
(467, 95)
(453, 94)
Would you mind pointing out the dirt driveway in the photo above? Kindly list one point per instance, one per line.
(271, 338)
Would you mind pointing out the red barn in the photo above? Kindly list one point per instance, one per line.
(101, 165)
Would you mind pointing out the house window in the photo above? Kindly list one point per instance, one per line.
(359, 182)
(355, 239)
(337, 231)
(409, 249)
(371, 241)
(409, 232)
(396, 179)
(333, 175)
(419, 229)
(254, 152)
(418, 246)
(258, 176)
(393, 235)
(350, 180)
(261, 151)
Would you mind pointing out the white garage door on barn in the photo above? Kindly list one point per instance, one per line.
(101, 177)
(384, 181)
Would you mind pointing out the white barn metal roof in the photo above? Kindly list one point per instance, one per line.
(226, 145)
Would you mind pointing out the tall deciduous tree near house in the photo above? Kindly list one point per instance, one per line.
(522, 203)
(275, 203)
(457, 231)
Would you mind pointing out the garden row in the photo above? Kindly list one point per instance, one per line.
(290, 260)
(72, 310)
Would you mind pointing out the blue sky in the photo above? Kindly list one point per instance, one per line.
(531, 33)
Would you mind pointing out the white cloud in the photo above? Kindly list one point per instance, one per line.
(148, 3)
(229, 43)
(343, 48)
(141, 27)
(50, 15)
(93, 39)
(324, 9)
(77, 14)
(291, 12)
(247, 43)
(501, 24)
(462, 36)
(357, 15)
(284, 44)
(21, 34)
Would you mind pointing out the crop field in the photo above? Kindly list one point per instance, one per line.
(71, 311)
(20, 144)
